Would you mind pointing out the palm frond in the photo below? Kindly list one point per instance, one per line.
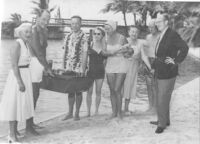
(44, 4)
(36, 3)
(107, 8)
(53, 8)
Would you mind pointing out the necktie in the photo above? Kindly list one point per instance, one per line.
(157, 44)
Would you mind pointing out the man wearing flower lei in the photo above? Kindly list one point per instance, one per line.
(75, 61)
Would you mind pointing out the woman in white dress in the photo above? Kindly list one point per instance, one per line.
(17, 99)
(134, 63)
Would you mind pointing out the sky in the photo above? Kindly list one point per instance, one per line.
(87, 9)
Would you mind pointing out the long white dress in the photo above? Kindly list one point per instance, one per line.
(17, 105)
(130, 82)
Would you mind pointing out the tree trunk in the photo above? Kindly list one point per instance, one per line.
(134, 15)
(124, 14)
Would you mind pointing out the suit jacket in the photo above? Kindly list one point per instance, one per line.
(171, 45)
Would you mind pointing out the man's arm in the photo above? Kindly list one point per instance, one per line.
(181, 49)
(38, 50)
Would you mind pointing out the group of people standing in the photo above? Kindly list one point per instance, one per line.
(120, 58)
(109, 54)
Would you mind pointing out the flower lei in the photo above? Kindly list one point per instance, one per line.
(77, 50)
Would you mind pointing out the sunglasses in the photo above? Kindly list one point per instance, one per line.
(97, 34)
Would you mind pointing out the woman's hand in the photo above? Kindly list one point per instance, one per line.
(22, 87)
(169, 60)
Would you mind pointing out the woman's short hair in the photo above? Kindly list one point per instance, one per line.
(102, 31)
(112, 24)
(166, 16)
(21, 28)
(78, 17)
(134, 26)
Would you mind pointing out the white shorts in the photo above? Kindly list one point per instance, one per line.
(36, 70)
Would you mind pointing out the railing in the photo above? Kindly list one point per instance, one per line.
(66, 22)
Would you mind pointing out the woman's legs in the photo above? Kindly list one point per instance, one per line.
(12, 134)
(126, 106)
(99, 83)
(17, 132)
(29, 128)
(89, 100)
(120, 77)
(111, 84)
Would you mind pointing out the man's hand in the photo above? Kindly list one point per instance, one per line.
(50, 72)
(169, 60)
(152, 71)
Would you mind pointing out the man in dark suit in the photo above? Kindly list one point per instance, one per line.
(170, 51)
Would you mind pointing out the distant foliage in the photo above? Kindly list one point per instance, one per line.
(41, 5)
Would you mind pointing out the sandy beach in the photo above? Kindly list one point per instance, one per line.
(135, 128)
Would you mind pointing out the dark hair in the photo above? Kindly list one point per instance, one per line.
(78, 17)
(134, 26)
(102, 31)
(166, 16)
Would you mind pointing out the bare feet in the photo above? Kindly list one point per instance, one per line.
(150, 111)
(76, 118)
(120, 117)
(37, 126)
(17, 133)
(128, 113)
(88, 114)
(96, 113)
(12, 139)
(31, 132)
(111, 117)
(69, 116)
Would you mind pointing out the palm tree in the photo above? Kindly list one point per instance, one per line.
(16, 18)
(142, 8)
(40, 6)
(117, 6)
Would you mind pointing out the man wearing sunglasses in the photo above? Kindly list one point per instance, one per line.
(170, 50)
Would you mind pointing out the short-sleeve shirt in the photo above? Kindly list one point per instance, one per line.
(75, 45)
(151, 43)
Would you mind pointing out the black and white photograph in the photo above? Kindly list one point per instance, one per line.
(99, 72)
